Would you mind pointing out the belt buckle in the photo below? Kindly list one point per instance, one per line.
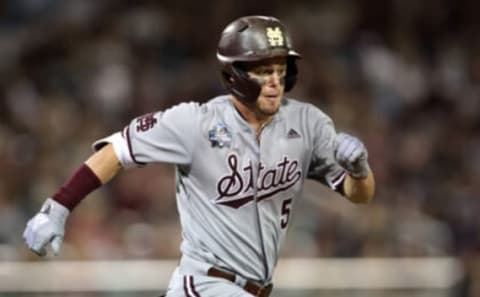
(249, 286)
(263, 291)
(260, 292)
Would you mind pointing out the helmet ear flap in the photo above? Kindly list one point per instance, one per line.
(237, 82)
(292, 71)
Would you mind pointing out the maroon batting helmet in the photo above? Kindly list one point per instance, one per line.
(248, 39)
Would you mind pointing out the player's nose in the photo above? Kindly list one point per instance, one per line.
(275, 78)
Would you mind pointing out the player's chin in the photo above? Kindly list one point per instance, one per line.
(269, 107)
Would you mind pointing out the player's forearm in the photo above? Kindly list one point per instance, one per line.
(104, 164)
(96, 171)
(359, 190)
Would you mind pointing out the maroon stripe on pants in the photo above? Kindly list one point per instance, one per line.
(192, 286)
(185, 286)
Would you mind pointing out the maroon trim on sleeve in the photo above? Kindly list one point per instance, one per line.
(81, 183)
(338, 182)
(129, 142)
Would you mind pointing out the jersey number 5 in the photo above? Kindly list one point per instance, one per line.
(285, 212)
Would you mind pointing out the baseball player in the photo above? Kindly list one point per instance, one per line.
(241, 161)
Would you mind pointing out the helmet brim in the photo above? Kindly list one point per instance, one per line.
(258, 56)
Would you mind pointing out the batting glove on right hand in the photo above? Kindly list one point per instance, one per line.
(352, 155)
(46, 227)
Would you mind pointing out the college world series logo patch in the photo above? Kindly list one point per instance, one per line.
(219, 136)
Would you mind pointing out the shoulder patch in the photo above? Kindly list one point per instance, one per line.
(146, 122)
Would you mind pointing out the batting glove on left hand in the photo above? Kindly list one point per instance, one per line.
(352, 155)
(46, 227)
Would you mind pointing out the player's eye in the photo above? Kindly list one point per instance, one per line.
(282, 71)
(265, 71)
(262, 71)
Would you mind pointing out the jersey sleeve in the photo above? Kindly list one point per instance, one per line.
(165, 136)
(323, 166)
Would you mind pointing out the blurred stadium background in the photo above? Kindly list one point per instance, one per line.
(404, 75)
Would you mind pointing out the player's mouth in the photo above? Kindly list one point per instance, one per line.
(272, 96)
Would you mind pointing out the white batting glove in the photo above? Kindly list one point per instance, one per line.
(352, 155)
(46, 227)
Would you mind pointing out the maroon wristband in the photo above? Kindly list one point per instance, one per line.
(81, 183)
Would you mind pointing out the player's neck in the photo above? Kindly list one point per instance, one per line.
(256, 119)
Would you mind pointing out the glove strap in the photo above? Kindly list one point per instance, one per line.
(54, 210)
(362, 174)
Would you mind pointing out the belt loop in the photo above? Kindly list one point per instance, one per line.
(240, 281)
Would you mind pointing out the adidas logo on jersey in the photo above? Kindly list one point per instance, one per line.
(293, 134)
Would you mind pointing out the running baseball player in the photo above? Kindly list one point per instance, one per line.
(241, 161)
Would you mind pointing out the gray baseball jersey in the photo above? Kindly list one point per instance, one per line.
(234, 191)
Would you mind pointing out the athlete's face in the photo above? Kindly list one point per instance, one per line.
(270, 73)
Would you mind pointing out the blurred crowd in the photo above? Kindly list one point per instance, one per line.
(402, 75)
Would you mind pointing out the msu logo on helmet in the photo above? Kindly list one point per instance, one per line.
(275, 36)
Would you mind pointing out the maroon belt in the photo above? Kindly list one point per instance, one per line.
(249, 286)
